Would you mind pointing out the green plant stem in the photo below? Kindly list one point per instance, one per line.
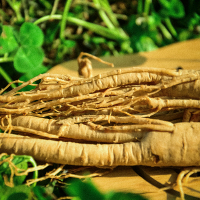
(170, 27)
(115, 16)
(110, 18)
(6, 59)
(48, 17)
(165, 32)
(147, 7)
(110, 13)
(35, 173)
(6, 77)
(64, 19)
(112, 34)
(103, 15)
(26, 12)
(55, 6)
(140, 7)
(16, 6)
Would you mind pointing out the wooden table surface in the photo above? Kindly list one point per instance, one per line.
(184, 54)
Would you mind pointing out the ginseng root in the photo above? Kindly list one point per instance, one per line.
(154, 149)
(83, 127)
(127, 117)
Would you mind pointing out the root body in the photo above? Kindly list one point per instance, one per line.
(124, 117)
(154, 149)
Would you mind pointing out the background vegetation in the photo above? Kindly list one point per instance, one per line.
(38, 34)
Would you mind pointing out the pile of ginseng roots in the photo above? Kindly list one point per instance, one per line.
(133, 116)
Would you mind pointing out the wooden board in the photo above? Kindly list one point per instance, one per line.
(147, 180)
(185, 54)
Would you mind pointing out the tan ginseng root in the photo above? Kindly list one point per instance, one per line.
(84, 127)
(154, 149)
(126, 107)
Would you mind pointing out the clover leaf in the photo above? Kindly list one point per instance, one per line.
(8, 42)
(31, 35)
(30, 54)
(28, 58)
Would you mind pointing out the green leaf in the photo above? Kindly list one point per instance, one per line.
(77, 9)
(42, 193)
(84, 190)
(8, 42)
(125, 47)
(184, 35)
(154, 20)
(69, 43)
(1, 182)
(98, 40)
(1, 28)
(31, 34)
(18, 180)
(131, 26)
(172, 8)
(21, 192)
(4, 167)
(145, 43)
(20, 162)
(28, 58)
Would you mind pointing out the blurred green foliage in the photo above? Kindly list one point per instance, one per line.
(87, 190)
(12, 168)
(75, 189)
(15, 187)
(36, 35)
